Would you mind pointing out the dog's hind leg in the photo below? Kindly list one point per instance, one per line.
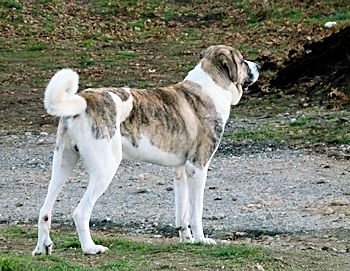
(182, 205)
(64, 160)
(197, 177)
(101, 159)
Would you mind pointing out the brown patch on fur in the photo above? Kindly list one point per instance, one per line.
(177, 119)
(120, 92)
(101, 111)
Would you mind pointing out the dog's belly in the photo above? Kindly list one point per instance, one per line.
(147, 152)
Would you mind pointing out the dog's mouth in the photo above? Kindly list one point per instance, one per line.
(250, 81)
(246, 85)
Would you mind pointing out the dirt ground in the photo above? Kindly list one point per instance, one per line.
(289, 200)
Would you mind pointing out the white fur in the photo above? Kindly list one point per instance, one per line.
(147, 152)
(253, 69)
(221, 98)
(60, 99)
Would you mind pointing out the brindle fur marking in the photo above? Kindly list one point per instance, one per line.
(102, 113)
(101, 110)
(182, 115)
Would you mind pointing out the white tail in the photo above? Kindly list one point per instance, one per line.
(60, 95)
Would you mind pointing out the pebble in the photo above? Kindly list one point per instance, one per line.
(340, 202)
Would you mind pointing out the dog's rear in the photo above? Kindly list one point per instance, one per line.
(84, 116)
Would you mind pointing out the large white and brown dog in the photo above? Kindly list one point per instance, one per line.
(178, 126)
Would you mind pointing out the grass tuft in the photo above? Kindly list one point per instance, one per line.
(12, 4)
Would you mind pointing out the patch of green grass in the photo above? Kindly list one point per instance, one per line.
(256, 134)
(88, 43)
(342, 14)
(11, 4)
(333, 129)
(86, 60)
(169, 14)
(138, 25)
(18, 232)
(191, 34)
(300, 121)
(35, 46)
(123, 254)
(127, 54)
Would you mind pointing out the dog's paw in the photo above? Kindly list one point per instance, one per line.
(205, 241)
(95, 249)
(44, 248)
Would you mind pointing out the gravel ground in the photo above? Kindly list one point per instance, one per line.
(261, 190)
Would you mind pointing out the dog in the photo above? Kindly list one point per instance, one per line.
(178, 126)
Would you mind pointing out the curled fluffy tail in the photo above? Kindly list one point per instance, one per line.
(60, 95)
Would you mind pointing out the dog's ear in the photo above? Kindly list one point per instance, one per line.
(228, 65)
(206, 52)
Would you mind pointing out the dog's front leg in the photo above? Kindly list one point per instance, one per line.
(196, 184)
(182, 205)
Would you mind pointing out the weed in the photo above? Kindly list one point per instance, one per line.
(36, 46)
(127, 54)
(138, 25)
(86, 60)
(12, 4)
(300, 121)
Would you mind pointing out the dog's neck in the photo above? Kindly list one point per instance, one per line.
(221, 97)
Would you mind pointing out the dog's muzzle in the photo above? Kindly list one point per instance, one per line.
(253, 74)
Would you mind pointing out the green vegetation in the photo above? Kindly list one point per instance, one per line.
(17, 242)
(125, 254)
(332, 128)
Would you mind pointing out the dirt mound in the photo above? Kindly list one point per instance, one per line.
(323, 70)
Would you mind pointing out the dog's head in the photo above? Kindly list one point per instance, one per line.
(229, 70)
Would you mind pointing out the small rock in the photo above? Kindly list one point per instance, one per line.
(170, 188)
(340, 202)
(269, 216)
(330, 24)
(328, 211)
(240, 233)
(259, 267)
(216, 217)
(143, 191)
(44, 134)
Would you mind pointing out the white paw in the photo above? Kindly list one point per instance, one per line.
(44, 248)
(95, 249)
(205, 241)
(187, 240)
